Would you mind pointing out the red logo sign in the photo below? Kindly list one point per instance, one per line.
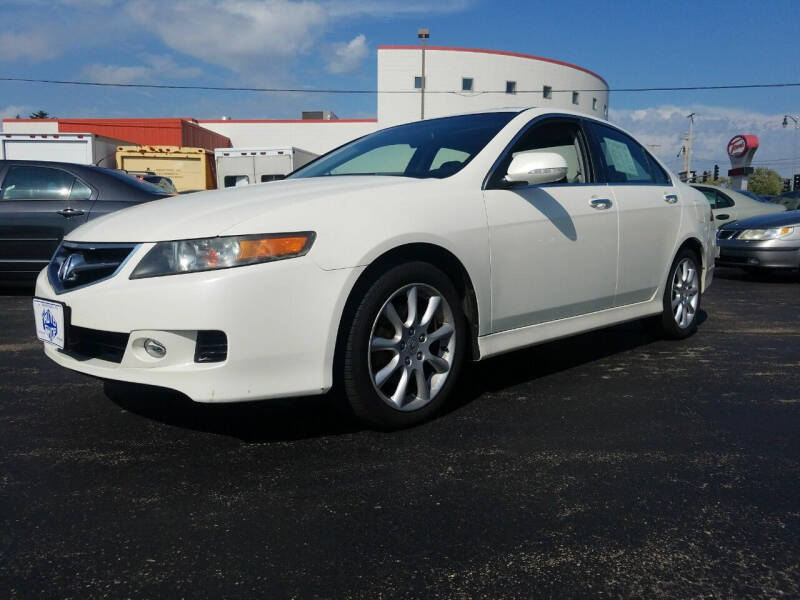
(737, 146)
(740, 144)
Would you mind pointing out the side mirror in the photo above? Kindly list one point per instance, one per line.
(536, 168)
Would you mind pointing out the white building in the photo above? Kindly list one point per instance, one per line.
(457, 80)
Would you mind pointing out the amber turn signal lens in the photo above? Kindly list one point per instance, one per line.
(272, 247)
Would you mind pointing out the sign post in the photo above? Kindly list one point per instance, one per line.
(741, 149)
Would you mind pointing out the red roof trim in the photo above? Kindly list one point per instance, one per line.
(499, 52)
(288, 121)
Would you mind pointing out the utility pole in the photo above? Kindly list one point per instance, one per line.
(796, 119)
(422, 34)
(687, 154)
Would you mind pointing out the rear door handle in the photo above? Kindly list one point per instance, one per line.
(670, 198)
(600, 203)
(70, 212)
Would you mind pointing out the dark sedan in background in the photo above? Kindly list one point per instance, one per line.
(763, 242)
(42, 201)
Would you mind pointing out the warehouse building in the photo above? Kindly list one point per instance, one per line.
(457, 80)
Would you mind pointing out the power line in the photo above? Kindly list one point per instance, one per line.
(357, 91)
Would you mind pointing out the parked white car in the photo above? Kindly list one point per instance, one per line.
(383, 266)
(729, 205)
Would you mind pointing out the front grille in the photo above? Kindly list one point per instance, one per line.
(76, 265)
(212, 346)
(726, 234)
(94, 343)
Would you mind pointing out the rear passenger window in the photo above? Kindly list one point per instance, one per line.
(36, 183)
(625, 160)
(710, 195)
(80, 191)
(723, 201)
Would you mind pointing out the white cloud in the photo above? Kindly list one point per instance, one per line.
(156, 67)
(242, 35)
(344, 57)
(9, 112)
(387, 8)
(663, 127)
(29, 45)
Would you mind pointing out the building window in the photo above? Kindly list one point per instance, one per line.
(511, 87)
(605, 111)
(575, 97)
(417, 83)
(466, 84)
(594, 103)
(547, 92)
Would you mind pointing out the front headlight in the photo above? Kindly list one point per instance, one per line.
(765, 234)
(191, 256)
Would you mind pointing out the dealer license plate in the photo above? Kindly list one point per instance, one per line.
(51, 325)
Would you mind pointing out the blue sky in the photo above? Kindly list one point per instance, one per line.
(332, 43)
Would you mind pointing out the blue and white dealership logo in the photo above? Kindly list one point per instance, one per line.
(49, 323)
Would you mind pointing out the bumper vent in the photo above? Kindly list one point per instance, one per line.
(77, 265)
(94, 343)
(212, 346)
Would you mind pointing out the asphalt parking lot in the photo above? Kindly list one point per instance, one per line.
(610, 464)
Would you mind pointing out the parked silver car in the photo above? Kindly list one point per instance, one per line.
(763, 242)
(729, 205)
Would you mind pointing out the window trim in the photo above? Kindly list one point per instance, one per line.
(489, 182)
(600, 158)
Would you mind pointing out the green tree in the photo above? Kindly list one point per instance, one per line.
(765, 181)
(40, 114)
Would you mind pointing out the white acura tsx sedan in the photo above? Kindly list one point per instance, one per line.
(383, 266)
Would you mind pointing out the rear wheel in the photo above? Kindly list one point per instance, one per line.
(405, 347)
(681, 300)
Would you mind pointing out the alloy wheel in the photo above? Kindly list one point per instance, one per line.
(685, 293)
(411, 347)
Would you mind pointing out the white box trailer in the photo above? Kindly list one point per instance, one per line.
(243, 166)
(80, 148)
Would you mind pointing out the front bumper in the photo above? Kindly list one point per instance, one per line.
(771, 254)
(280, 319)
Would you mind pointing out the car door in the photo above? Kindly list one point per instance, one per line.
(649, 208)
(724, 209)
(553, 246)
(34, 215)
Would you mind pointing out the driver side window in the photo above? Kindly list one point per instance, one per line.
(554, 135)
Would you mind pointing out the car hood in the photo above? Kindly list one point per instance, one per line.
(781, 219)
(212, 213)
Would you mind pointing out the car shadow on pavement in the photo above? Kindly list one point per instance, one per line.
(317, 416)
(261, 421)
(526, 365)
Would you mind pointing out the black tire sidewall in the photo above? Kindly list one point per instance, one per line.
(359, 390)
(668, 325)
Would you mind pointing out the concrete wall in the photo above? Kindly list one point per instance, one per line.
(489, 70)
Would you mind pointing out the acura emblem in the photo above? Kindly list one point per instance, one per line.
(70, 267)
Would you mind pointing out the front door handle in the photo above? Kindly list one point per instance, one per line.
(600, 203)
(70, 212)
(722, 217)
(670, 198)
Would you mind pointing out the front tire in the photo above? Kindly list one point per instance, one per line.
(405, 347)
(681, 300)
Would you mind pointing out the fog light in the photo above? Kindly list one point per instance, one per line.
(154, 348)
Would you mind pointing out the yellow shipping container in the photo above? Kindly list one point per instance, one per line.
(190, 169)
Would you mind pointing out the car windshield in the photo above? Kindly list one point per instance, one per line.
(754, 196)
(436, 148)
